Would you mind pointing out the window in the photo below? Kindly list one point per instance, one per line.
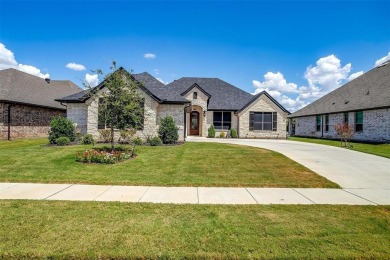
(222, 120)
(267, 121)
(195, 95)
(326, 123)
(359, 121)
(346, 118)
(318, 122)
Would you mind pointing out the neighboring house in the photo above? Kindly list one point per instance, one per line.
(195, 104)
(363, 103)
(27, 103)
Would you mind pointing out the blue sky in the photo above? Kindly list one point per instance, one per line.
(296, 50)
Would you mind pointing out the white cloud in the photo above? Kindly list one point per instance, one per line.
(92, 79)
(149, 56)
(7, 60)
(355, 75)
(156, 71)
(75, 66)
(276, 81)
(382, 60)
(327, 74)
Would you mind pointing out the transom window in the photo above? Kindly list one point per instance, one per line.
(195, 95)
(359, 121)
(222, 120)
(318, 123)
(267, 121)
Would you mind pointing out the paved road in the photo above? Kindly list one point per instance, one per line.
(193, 195)
(349, 169)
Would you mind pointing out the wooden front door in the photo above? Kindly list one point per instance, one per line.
(194, 123)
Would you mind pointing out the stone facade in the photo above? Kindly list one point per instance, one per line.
(262, 104)
(176, 111)
(27, 121)
(200, 105)
(376, 126)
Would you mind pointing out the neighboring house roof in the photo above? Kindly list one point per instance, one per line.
(257, 96)
(368, 91)
(223, 96)
(20, 87)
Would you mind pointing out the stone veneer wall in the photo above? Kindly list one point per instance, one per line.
(176, 111)
(27, 121)
(263, 104)
(376, 126)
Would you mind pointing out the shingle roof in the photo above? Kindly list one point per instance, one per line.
(20, 87)
(223, 96)
(368, 91)
(269, 96)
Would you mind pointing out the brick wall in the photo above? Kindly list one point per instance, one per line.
(26, 121)
(376, 126)
(262, 104)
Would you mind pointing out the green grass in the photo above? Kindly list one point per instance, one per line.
(190, 164)
(120, 230)
(376, 149)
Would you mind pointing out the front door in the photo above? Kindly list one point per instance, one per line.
(194, 123)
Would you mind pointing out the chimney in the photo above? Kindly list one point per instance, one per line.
(47, 80)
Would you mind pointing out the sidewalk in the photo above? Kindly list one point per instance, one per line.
(194, 195)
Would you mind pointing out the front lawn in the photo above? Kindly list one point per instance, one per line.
(190, 164)
(376, 149)
(52, 229)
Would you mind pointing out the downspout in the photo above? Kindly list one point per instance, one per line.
(9, 122)
(185, 124)
(66, 109)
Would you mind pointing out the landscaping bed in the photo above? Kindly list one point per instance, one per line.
(190, 164)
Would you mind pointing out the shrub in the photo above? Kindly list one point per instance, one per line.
(137, 141)
(222, 134)
(61, 127)
(168, 131)
(155, 141)
(344, 131)
(105, 135)
(87, 139)
(62, 141)
(104, 155)
(211, 132)
(233, 133)
(126, 135)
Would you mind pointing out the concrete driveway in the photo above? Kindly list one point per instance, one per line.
(349, 169)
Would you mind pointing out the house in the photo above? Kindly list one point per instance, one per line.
(27, 103)
(194, 103)
(363, 103)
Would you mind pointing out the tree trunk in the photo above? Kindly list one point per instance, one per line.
(112, 140)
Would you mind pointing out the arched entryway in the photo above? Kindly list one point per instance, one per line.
(194, 123)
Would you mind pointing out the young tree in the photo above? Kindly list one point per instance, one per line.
(344, 131)
(120, 104)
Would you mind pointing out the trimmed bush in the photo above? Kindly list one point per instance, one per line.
(87, 139)
(105, 135)
(155, 141)
(137, 141)
(62, 141)
(233, 133)
(168, 131)
(222, 134)
(211, 132)
(61, 127)
(126, 135)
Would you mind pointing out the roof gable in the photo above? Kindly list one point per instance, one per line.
(257, 97)
(198, 87)
(368, 91)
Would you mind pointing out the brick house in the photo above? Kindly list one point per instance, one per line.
(27, 103)
(195, 104)
(363, 103)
